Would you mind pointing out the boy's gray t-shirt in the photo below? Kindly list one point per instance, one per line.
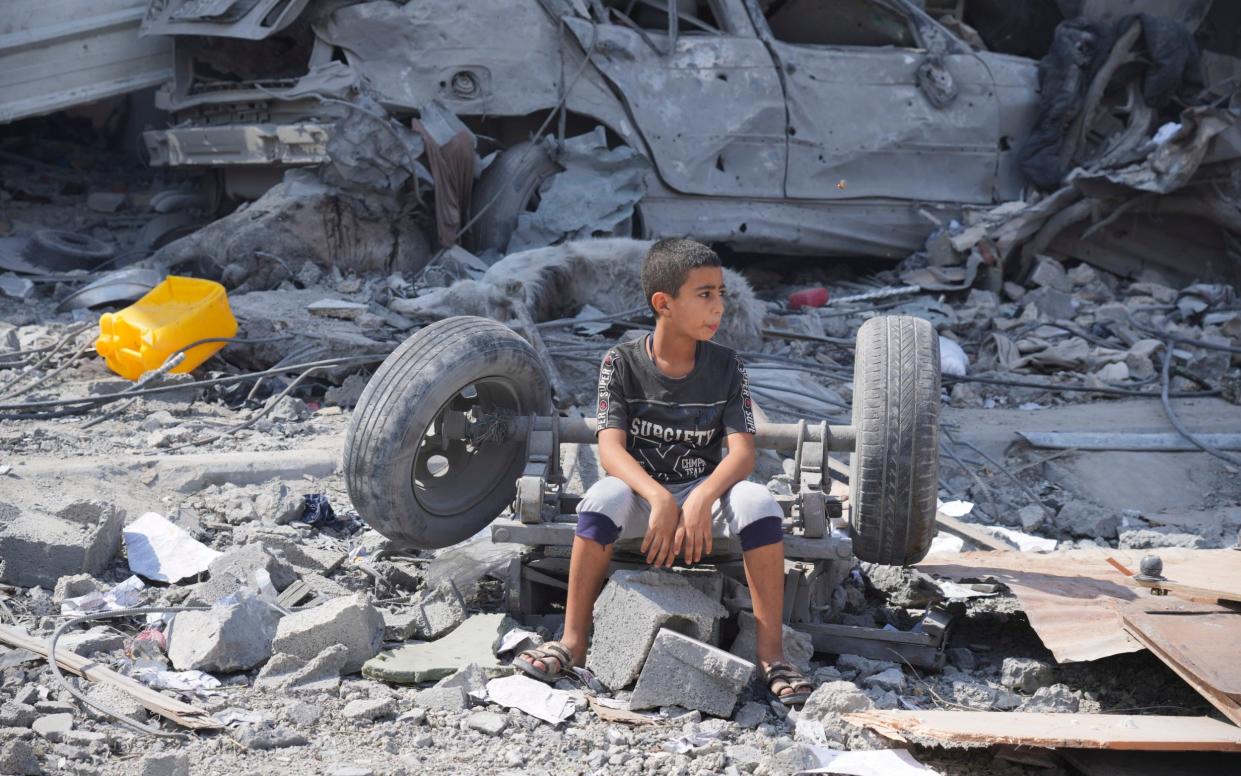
(675, 426)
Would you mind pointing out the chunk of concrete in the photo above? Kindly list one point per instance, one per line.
(631, 611)
(350, 621)
(472, 678)
(446, 698)
(293, 674)
(235, 569)
(100, 638)
(280, 505)
(470, 642)
(370, 708)
(74, 586)
(750, 715)
(681, 671)
(17, 715)
(891, 679)
(226, 638)
(17, 757)
(38, 548)
(857, 667)
(164, 764)
(798, 646)
(1084, 519)
(53, 726)
(834, 698)
(487, 722)
(437, 613)
(1025, 674)
(336, 308)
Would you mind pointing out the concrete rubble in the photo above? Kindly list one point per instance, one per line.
(1070, 285)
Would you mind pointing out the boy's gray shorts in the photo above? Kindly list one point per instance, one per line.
(610, 511)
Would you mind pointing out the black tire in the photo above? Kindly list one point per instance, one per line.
(509, 184)
(894, 469)
(57, 249)
(388, 460)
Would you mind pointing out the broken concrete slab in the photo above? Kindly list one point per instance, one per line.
(1083, 519)
(349, 621)
(38, 548)
(472, 678)
(437, 612)
(100, 638)
(235, 569)
(53, 726)
(834, 698)
(336, 308)
(291, 673)
(681, 671)
(629, 614)
(226, 638)
(280, 505)
(798, 646)
(470, 642)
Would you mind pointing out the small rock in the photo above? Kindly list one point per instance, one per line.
(750, 715)
(16, 287)
(1051, 304)
(280, 505)
(1057, 698)
(164, 764)
(370, 709)
(835, 698)
(1082, 518)
(17, 757)
(446, 698)
(890, 679)
(858, 667)
(262, 737)
(1013, 291)
(472, 679)
(305, 714)
(17, 715)
(74, 586)
(487, 722)
(1113, 373)
(53, 726)
(1050, 273)
(1025, 674)
(1032, 516)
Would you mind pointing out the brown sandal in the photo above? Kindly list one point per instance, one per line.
(552, 650)
(781, 675)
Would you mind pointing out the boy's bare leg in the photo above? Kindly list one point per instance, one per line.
(764, 570)
(588, 565)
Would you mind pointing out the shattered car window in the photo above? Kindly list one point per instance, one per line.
(696, 17)
(837, 23)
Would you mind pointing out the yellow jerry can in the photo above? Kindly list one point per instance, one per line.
(174, 314)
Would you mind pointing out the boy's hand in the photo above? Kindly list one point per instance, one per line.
(697, 523)
(659, 546)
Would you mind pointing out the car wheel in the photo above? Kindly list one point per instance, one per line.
(60, 250)
(410, 476)
(894, 469)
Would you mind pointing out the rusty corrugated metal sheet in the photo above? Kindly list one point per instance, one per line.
(58, 53)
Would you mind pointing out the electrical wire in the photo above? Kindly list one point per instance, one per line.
(60, 677)
(1165, 382)
(67, 338)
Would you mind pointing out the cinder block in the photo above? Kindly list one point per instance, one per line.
(632, 609)
(681, 671)
(350, 621)
(37, 548)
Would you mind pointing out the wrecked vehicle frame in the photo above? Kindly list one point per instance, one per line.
(783, 128)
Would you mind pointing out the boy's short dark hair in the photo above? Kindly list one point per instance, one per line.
(668, 262)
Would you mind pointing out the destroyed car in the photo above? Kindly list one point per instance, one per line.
(790, 126)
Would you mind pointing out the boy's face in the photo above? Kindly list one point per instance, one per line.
(698, 306)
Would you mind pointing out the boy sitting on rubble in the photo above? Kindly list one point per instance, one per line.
(665, 403)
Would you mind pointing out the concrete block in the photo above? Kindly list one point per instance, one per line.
(798, 646)
(437, 613)
(398, 626)
(291, 673)
(630, 612)
(370, 708)
(279, 505)
(74, 586)
(235, 569)
(349, 621)
(1025, 674)
(38, 548)
(164, 764)
(446, 698)
(685, 672)
(232, 637)
(487, 722)
(17, 715)
(471, 642)
(53, 726)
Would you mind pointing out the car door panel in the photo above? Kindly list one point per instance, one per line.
(711, 111)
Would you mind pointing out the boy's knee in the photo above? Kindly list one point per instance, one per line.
(602, 512)
(757, 517)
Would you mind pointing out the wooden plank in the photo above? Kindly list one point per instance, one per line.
(973, 533)
(154, 701)
(1054, 731)
(1200, 647)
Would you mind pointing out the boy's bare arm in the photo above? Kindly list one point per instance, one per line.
(735, 467)
(659, 545)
